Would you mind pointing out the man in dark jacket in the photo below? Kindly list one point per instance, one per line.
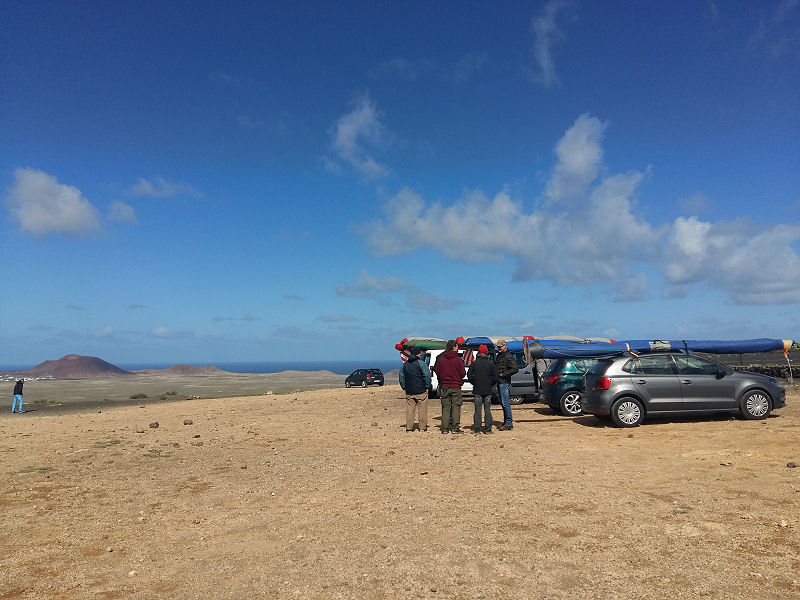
(482, 376)
(450, 370)
(415, 379)
(506, 366)
(18, 395)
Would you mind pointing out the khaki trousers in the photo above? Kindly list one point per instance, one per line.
(417, 403)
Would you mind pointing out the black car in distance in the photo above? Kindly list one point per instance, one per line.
(364, 377)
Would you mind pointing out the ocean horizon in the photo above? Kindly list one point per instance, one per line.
(342, 367)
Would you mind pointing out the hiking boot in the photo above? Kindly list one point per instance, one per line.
(505, 428)
(459, 430)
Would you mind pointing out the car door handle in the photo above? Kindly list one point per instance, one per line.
(686, 381)
(642, 381)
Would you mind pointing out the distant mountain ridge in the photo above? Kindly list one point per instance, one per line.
(76, 366)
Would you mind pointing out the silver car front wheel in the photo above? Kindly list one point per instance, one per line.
(755, 405)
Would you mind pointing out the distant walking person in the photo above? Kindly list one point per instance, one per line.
(415, 379)
(482, 376)
(450, 370)
(18, 395)
(506, 366)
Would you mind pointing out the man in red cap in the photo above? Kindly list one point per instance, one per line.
(450, 370)
(482, 376)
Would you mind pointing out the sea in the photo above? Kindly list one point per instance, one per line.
(342, 367)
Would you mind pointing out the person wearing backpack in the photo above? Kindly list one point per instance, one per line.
(415, 379)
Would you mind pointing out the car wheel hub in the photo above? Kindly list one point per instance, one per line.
(628, 413)
(757, 405)
(572, 404)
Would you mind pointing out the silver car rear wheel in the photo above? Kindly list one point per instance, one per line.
(755, 405)
(627, 412)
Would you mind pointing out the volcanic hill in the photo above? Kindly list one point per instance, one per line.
(74, 366)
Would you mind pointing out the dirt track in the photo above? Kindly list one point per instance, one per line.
(322, 494)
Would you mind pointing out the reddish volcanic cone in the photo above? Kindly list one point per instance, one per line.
(74, 366)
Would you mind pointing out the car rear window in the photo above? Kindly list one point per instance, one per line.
(601, 366)
(555, 366)
(376, 371)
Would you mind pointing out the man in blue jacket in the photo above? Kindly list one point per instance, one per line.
(415, 379)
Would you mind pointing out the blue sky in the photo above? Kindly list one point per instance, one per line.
(198, 182)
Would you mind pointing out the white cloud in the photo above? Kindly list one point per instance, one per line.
(420, 300)
(380, 289)
(161, 188)
(777, 33)
(248, 122)
(42, 206)
(337, 318)
(695, 204)
(589, 230)
(161, 332)
(121, 212)
(469, 64)
(369, 286)
(356, 136)
(580, 156)
(754, 265)
(546, 34)
(588, 243)
(403, 68)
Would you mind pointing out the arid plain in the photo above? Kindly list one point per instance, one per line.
(322, 494)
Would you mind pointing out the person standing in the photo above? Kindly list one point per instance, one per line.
(415, 379)
(482, 376)
(450, 370)
(505, 366)
(17, 395)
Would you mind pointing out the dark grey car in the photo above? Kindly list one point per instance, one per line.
(627, 388)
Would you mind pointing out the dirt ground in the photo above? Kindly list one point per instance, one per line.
(322, 494)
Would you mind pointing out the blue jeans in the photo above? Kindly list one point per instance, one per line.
(17, 398)
(506, 404)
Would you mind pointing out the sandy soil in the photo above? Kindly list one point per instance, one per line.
(322, 494)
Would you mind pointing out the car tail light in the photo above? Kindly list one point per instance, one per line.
(553, 378)
(602, 383)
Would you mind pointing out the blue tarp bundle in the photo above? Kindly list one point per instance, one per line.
(567, 348)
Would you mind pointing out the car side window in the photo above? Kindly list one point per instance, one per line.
(633, 366)
(694, 365)
(657, 365)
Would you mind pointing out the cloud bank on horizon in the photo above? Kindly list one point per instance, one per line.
(534, 176)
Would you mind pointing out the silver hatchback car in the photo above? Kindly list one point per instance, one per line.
(627, 388)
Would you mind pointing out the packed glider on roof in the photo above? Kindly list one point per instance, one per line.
(569, 346)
